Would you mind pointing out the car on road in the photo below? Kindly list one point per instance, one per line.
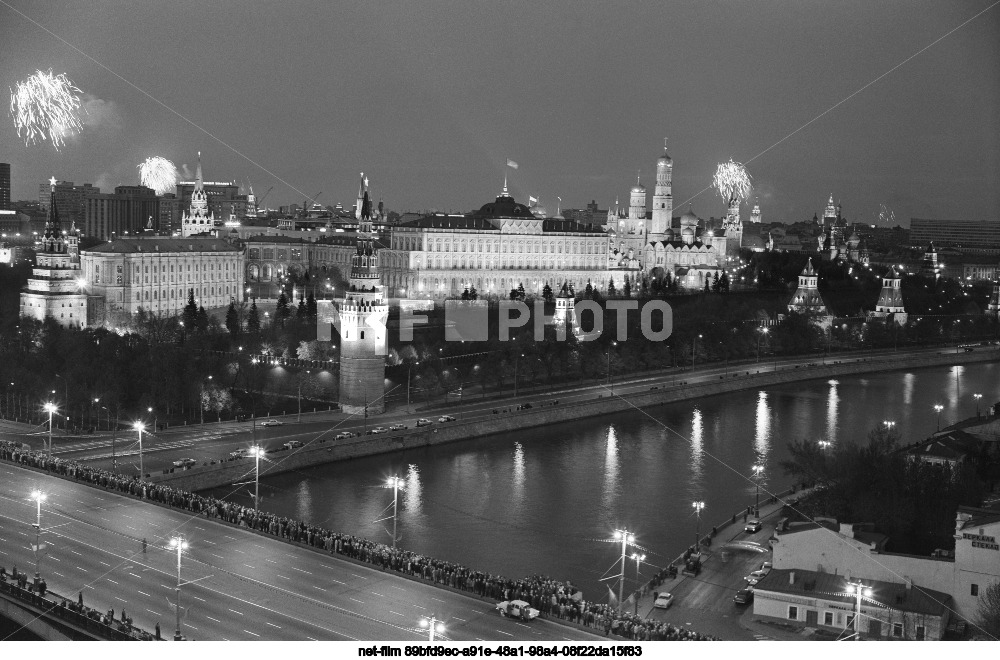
(423, 421)
(446, 418)
(754, 578)
(664, 601)
(272, 422)
(397, 427)
(185, 462)
(379, 429)
(752, 526)
(239, 453)
(345, 435)
(292, 444)
(758, 574)
(743, 596)
(517, 609)
(766, 567)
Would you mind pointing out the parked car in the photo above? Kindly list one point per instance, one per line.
(379, 429)
(752, 526)
(239, 453)
(664, 601)
(446, 418)
(424, 422)
(743, 596)
(518, 609)
(272, 422)
(754, 578)
(185, 462)
(292, 444)
(766, 567)
(397, 427)
(758, 574)
(344, 435)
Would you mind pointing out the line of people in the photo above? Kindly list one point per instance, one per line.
(553, 598)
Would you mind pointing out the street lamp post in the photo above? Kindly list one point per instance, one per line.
(938, 407)
(698, 506)
(180, 544)
(859, 590)
(409, 368)
(638, 560)
(763, 331)
(139, 426)
(39, 497)
(51, 408)
(517, 358)
(757, 469)
(257, 453)
(393, 482)
(611, 382)
(625, 537)
(150, 411)
(977, 397)
(433, 625)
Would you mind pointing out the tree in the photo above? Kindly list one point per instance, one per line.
(190, 315)
(611, 287)
(588, 293)
(201, 319)
(301, 313)
(988, 612)
(473, 294)
(724, 283)
(312, 310)
(465, 294)
(253, 319)
(708, 284)
(232, 320)
(282, 311)
(547, 292)
(520, 291)
(513, 294)
(627, 292)
(715, 282)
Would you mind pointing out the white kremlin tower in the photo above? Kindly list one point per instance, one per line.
(198, 220)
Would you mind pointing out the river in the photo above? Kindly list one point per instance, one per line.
(547, 500)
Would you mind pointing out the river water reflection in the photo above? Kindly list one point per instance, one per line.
(546, 501)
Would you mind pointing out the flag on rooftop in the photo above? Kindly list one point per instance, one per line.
(511, 163)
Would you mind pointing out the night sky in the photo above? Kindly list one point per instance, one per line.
(430, 98)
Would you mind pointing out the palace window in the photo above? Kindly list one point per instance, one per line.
(793, 612)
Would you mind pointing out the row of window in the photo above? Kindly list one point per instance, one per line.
(181, 294)
(845, 621)
(493, 263)
(522, 245)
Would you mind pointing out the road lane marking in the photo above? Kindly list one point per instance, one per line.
(144, 594)
(110, 580)
(188, 625)
(420, 607)
(105, 563)
(240, 613)
(359, 576)
(398, 614)
(196, 598)
(58, 573)
(149, 610)
(213, 619)
(458, 619)
(81, 569)
(207, 541)
(273, 625)
(270, 560)
(252, 633)
(320, 588)
(284, 578)
(505, 633)
(215, 555)
(121, 599)
(356, 600)
(379, 595)
(134, 575)
(392, 586)
(299, 570)
(437, 599)
(239, 551)
(76, 553)
(52, 558)
(249, 566)
(312, 638)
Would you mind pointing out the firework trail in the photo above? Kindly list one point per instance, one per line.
(46, 106)
(158, 173)
(732, 181)
(886, 215)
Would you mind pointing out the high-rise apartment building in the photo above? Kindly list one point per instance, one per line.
(128, 211)
(5, 187)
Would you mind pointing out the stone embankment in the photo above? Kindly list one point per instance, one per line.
(325, 449)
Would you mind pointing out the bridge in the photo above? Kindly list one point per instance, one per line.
(238, 584)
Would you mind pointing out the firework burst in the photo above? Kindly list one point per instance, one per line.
(732, 182)
(158, 173)
(46, 107)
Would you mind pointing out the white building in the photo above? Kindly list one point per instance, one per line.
(851, 552)
(155, 273)
(198, 219)
(54, 289)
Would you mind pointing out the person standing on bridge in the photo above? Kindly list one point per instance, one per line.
(157, 630)
(143, 546)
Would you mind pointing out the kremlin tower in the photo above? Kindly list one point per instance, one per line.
(197, 220)
(363, 315)
(663, 199)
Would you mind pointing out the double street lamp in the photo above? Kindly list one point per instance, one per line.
(859, 590)
(180, 545)
(698, 506)
(140, 427)
(977, 397)
(394, 482)
(638, 558)
(938, 407)
(763, 331)
(626, 538)
(433, 625)
(50, 408)
(39, 497)
(257, 453)
(610, 380)
(757, 469)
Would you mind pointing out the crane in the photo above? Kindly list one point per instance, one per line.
(305, 204)
(261, 200)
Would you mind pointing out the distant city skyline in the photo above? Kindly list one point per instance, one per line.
(431, 99)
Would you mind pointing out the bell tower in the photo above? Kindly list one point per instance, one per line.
(663, 199)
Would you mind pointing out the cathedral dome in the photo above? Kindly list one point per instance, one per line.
(665, 159)
(539, 211)
(687, 231)
(689, 218)
(638, 188)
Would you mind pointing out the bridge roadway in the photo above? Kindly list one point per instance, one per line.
(248, 586)
(208, 442)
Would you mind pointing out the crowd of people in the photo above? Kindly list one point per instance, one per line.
(551, 597)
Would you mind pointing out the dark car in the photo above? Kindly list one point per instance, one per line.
(743, 597)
